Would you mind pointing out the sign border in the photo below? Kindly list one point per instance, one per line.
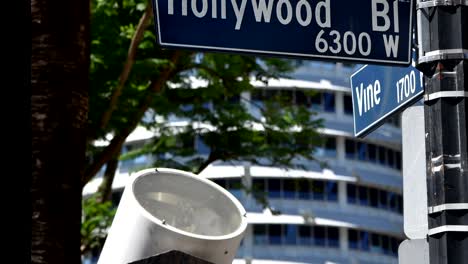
(285, 54)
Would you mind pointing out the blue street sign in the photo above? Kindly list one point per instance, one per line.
(378, 92)
(368, 31)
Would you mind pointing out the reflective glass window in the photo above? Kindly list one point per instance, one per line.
(290, 234)
(289, 189)
(274, 232)
(353, 239)
(260, 234)
(274, 188)
(329, 102)
(305, 235)
(319, 235)
(318, 190)
(333, 237)
(351, 190)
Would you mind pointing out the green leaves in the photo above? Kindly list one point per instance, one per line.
(96, 219)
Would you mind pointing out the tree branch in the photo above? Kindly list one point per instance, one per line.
(211, 158)
(105, 189)
(137, 37)
(117, 141)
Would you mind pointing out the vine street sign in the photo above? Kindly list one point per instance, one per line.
(380, 91)
(368, 31)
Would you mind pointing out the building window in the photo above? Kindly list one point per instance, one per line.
(332, 191)
(373, 242)
(316, 102)
(363, 195)
(348, 104)
(362, 151)
(319, 101)
(394, 246)
(329, 102)
(333, 237)
(274, 234)
(290, 234)
(353, 239)
(330, 147)
(305, 235)
(385, 245)
(274, 188)
(260, 234)
(398, 160)
(374, 197)
(393, 201)
(319, 235)
(304, 190)
(289, 189)
(369, 196)
(390, 158)
(382, 155)
(364, 240)
(302, 99)
(383, 201)
(400, 204)
(350, 147)
(372, 153)
(318, 190)
(351, 193)
(234, 186)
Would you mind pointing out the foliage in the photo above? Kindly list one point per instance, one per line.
(96, 218)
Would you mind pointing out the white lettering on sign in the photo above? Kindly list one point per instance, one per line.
(368, 97)
(391, 45)
(406, 86)
(279, 14)
(303, 4)
(201, 13)
(262, 10)
(348, 42)
(321, 5)
(380, 13)
(213, 10)
(383, 14)
(239, 12)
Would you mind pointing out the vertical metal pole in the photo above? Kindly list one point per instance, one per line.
(442, 57)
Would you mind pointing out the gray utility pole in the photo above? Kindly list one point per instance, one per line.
(442, 33)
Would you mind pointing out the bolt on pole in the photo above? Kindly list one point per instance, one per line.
(442, 36)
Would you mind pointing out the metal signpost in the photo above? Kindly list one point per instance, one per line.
(368, 31)
(378, 92)
(442, 57)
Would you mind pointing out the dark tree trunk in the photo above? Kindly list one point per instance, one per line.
(59, 107)
(105, 189)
